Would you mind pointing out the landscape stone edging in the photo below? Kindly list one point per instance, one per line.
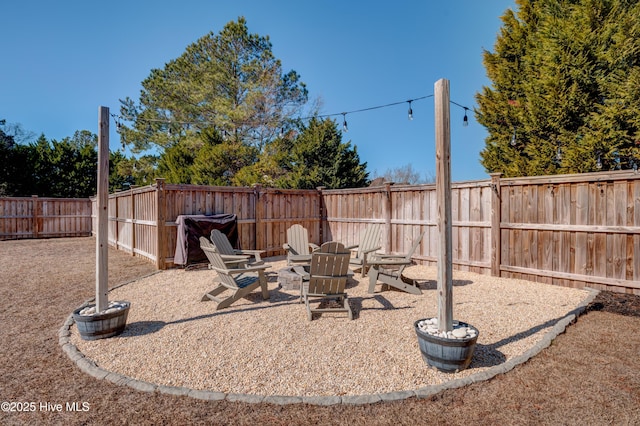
(89, 367)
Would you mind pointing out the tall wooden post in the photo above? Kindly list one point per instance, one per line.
(102, 241)
(443, 196)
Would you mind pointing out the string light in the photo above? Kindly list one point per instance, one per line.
(599, 162)
(465, 120)
(513, 138)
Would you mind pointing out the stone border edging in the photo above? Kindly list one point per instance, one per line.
(89, 367)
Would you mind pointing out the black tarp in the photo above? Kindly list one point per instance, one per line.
(192, 227)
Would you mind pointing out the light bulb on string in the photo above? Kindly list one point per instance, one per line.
(559, 154)
(410, 111)
(344, 122)
(599, 162)
(465, 119)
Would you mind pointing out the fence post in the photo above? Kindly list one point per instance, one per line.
(496, 211)
(321, 212)
(116, 228)
(162, 218)
(133, 222)
(35, 215)
(259, 209)
(387, 219)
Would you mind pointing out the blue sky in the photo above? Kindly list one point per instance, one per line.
(62, 60)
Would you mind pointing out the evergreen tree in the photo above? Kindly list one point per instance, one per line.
(318, 157)
(565, 93)
(229, 81)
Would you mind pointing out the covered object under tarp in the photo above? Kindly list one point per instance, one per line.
(192, 227)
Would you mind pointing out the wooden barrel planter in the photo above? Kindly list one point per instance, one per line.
(102, 325)
(448, 355)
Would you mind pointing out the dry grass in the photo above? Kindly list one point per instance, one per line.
(590, 375)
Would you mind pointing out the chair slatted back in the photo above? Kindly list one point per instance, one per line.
(216, 260)
(298, 239)
(221, 242)
(369, 239)
(328, 271)
(414, 247)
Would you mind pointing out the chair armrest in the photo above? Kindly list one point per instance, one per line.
(390, 262)
(255, 253)
(371, 250)
(238, 271)
(250, 252)
(391, 256)
(314, 247)
(352, 247)
(234, 257)
(286, 246)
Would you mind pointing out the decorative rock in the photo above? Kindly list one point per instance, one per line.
(430, 326)
(459, 332)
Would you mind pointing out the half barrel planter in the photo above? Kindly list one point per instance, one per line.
(447, 355)
(102, 325)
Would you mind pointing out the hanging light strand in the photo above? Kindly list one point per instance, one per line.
(118, 118)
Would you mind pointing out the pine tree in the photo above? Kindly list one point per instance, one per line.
(565, 93)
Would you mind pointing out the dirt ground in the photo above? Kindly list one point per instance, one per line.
(590, 375)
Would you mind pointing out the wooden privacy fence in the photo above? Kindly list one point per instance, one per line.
(571, 230)
(35, 217)
(142, 221)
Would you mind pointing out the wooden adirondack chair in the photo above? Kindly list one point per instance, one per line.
(298, 247)
(388, 269)
(239, 282)
(369, 243)
(233, 257)
(328, 275)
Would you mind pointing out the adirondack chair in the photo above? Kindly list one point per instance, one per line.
(298, 247)
(239, 282)
(369, 243)
(388, 269)
(328, 275)
(233, 257)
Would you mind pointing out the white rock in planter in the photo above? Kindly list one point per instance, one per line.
(430, 326)
(113, 306)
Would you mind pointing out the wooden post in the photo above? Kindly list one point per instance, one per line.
(443, 196)
(258, 213)
(387, 218)
(132, 200)
(496, 218)
(160, 228)
(36, 214)
(102, 241)
(321, 212)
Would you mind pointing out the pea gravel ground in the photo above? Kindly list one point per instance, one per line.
(590, 375)
(270, 348)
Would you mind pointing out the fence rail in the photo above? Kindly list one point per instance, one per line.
(570, 230)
